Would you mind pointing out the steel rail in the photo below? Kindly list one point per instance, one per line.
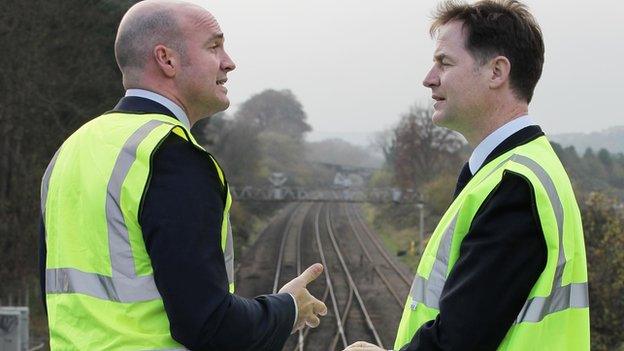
(369, 322)
(263, 233)
(339, 323)
(280, 256)
(399, 301)
(375, 239)
(307, 330)
(300, 335)
(303, 334)
(345, 316)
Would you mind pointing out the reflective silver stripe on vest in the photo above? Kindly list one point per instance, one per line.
(575, 295)
(122, 261)
(428, 291)
(45, 182)
(228, 255)
(562, 297)
(120, 289)
(124, 285)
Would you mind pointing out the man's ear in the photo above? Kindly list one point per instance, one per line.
(500, 68)
(166, 60)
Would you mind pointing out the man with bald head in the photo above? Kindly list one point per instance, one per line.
(137, 249)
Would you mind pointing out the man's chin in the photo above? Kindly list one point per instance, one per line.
(225, 102)
(222, 104)
(438, 118)
(215, 107)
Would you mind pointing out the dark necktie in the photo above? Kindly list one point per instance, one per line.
(464, 177)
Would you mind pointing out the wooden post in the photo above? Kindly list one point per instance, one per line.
(421, 232)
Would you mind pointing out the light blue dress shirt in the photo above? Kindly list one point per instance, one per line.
(485, 147)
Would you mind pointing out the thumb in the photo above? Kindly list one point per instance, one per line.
(311, 273)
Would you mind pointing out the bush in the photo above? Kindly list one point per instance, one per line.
(604, 240)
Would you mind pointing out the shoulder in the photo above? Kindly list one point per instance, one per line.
(176, 155)
(180, 169)
(514, 190)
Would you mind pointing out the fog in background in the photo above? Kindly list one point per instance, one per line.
(356, 66)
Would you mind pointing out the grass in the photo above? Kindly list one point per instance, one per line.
(395, 240)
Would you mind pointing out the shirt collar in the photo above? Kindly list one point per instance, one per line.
(487, 145)
(172, 106)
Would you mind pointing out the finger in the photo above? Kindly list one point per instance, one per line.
(311, 273)
(358, 345)
(299, 326)
(313, 322)
(319, 308)
(364, 346)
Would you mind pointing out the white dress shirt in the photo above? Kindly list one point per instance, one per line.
(485, 147)
(170, 105)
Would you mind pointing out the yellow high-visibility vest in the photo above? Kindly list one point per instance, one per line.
(100, 289)
(555, 315)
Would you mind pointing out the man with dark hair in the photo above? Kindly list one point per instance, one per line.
(137, 249)
(505, 268)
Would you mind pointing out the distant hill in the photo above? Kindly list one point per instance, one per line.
(611, 139)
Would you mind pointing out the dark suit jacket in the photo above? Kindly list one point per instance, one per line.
(500, 260)
(181, 222)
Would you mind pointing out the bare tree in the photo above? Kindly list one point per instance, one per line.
(421, 150)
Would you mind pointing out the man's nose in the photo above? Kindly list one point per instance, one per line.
(431, 79)
(227, 64)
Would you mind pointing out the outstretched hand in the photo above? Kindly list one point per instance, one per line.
(308, 306)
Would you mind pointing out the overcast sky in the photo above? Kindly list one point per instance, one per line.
(356, 65)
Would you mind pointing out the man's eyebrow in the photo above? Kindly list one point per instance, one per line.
(440, 57)
(215, 37)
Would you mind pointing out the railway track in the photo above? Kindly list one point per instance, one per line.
(364, 300)
(353, 292)
(374, 239)
(291, 262)
(377, 267)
